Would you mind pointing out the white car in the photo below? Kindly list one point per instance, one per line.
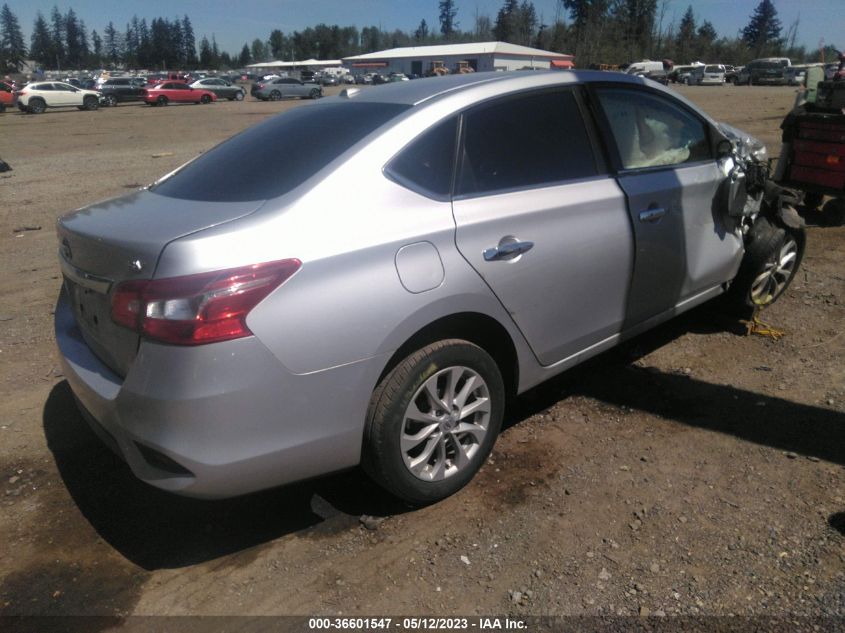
(710, 75)
(37, 97)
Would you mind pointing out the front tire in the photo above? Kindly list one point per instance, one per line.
(239, 96)
(90, 103)
(314, 94)
(162, 101)
(433, 420)
(111, 101)
(772, 258)
(205, 99)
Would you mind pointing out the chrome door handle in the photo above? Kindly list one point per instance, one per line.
(507, 250)
(652, 215)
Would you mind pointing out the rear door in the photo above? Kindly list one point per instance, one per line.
(669, 173)
(542, 222)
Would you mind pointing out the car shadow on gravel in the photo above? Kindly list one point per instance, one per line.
(156, 529)
(614, 378)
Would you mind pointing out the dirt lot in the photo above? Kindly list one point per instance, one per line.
(695, 470)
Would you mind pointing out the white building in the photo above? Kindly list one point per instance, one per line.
(480, 56)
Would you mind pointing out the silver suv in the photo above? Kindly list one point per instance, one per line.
(246, 322)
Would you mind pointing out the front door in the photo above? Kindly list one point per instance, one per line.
(670, 177)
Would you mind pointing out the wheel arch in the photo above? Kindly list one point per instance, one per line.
(475, 327)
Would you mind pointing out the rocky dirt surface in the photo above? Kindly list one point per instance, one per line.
(693, 471)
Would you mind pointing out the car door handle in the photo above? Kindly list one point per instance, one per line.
(507, 250)
(652, 215)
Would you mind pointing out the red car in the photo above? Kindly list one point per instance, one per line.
(7, 96)
(176, 92)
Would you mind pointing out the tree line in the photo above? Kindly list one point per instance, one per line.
(595, 31)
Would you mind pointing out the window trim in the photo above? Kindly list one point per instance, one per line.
(609, 141)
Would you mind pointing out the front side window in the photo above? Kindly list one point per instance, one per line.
(651, 131)
(529, 141)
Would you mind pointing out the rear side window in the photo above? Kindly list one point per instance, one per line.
(276, 156)
(528, 141)
(426, 165)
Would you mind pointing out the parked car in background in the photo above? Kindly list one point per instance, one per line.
(222, 88)
(366, 78)
(660, 76)
(732, 73)
(679, 74)
(328, 80)
(7, 96)
(795, 75)
(285, 87)
(176, 92)
(348, 78)
(245, 323)
(38, 96)
(709, 75)
(119, 89)
(770, 70)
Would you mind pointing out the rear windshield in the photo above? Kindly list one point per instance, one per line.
(275, 156)
(714, 69)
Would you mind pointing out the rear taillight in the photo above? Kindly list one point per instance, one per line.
(198, 309)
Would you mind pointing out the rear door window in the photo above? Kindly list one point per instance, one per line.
(527, 141)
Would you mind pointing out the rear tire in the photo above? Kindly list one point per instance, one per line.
(239, 96)
(36, 106)
(433, 420)
(275, 95)
(772, 258)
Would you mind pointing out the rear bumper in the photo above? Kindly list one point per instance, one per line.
(218, 420)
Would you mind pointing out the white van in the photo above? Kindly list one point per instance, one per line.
(643, 67)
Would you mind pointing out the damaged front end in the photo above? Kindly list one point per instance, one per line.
(749, 192)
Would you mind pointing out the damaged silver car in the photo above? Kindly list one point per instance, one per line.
(245, 323)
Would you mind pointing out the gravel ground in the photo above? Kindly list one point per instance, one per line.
(693, 471)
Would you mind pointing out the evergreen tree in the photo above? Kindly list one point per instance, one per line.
(278, 46)
(421, 34)
(189, 43)
(205, 53)
(448, 12)
(215, 52)
(12, 47)
(113, 49)
(246, 57)
(685, 40)
(764, 28)
(504, 30)
(97, 46)
(57, 38)
(258, 52)
(41, 44)
(526, 23)
(74, 53)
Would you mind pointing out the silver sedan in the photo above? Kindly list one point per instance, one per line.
(284, 87)
(245, 322)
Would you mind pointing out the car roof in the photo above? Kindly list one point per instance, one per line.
(421, 90)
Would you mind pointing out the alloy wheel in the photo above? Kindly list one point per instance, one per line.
(445, 423)
(771, 282)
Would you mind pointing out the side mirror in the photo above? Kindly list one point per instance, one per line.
(724, 149)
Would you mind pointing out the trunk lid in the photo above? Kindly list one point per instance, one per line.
(118, 240)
